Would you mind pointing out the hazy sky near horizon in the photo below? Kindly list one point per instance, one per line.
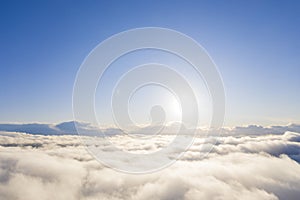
(255, 45)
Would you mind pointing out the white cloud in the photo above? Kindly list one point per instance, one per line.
(243, 167)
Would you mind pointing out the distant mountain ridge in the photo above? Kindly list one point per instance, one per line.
(69, 128)
(65, 128)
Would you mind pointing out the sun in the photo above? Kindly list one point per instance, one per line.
(174, 110)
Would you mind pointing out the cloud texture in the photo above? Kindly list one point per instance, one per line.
(259, 166)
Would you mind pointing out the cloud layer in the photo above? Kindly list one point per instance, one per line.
(69, 128)
(259, 166)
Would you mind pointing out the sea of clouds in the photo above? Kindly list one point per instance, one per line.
(251, 162)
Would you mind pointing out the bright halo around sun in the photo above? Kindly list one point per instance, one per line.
(154, 98)
(175, 110)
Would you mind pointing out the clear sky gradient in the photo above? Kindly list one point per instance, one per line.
(255, 45)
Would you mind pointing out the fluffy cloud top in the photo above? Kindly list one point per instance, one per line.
(259, 166)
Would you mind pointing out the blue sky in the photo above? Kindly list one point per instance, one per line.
(255, 45)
